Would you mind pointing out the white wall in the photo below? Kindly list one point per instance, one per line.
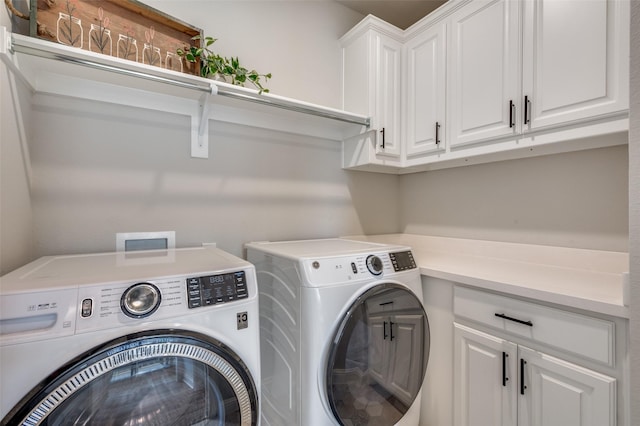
(101, 169)
(576, 199)
(634, 211)
(295, 40)
(16, 235)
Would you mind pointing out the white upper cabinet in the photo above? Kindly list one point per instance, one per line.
(386, 116)
(484, 71)
(486, 80)
(516, 67)
(372, 66)
(575, 60)
(425, 92)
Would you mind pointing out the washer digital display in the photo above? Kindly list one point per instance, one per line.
(215, 289)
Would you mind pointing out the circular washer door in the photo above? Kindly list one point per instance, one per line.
(163, 377)
(378, 357)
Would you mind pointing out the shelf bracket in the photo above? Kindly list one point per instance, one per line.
(6, 54)
(200, 125)
(5, 41)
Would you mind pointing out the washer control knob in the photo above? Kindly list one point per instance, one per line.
(140, 300)
(374, 264)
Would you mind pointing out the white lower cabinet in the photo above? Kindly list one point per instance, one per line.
(553, 392)
(485, 381)
(500, 383)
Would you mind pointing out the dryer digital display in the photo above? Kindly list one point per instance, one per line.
(402, 260)
(214, 289)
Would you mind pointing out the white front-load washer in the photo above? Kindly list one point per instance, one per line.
(154, 338)
(344, 335)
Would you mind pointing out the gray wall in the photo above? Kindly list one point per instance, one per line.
(297, 41)
(16, 233)
(114, 169)
(98, 169)
(634, 211)
(577, 199)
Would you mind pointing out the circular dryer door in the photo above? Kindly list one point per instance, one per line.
(153, 378)
(378, 357)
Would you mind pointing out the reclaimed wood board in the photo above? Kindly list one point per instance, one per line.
(126, 29)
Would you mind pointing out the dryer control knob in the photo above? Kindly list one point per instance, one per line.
(140, 300)
(374, 265)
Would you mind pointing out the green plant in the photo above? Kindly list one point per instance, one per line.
(212, 64)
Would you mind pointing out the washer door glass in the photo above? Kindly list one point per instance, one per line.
(378, 357)
(156, 378)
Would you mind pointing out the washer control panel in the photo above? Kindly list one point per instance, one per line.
(140, 300)
(374, 264)
(105, 305)
(214, 289)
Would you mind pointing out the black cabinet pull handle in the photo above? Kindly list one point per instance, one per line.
(382, 131)
(527, 109)
(511, 107)
(519, 321)
(504, 369)
(391, 330)
(384, 330)
(386, 303)
(522, 385)
(437, 133)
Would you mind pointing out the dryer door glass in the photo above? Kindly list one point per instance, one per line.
(159, 378)
(378, 357)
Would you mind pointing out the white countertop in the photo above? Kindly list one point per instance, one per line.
(591, 280)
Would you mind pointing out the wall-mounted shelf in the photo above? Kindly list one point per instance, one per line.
(66, 71)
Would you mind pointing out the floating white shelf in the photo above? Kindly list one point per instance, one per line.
(67, 71)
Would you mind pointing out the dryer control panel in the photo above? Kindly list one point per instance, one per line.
(325, 271)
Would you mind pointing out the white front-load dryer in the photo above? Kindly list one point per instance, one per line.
(344, 335)
(154, 338)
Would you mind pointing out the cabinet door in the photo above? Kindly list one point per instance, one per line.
(554, 392)
(379, 349)
(386, 119)
(485, 380)
(575, 60)
(425, 93)
(406, 350)
(484, 71)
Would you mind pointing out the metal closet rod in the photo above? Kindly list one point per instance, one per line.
(223, 91)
